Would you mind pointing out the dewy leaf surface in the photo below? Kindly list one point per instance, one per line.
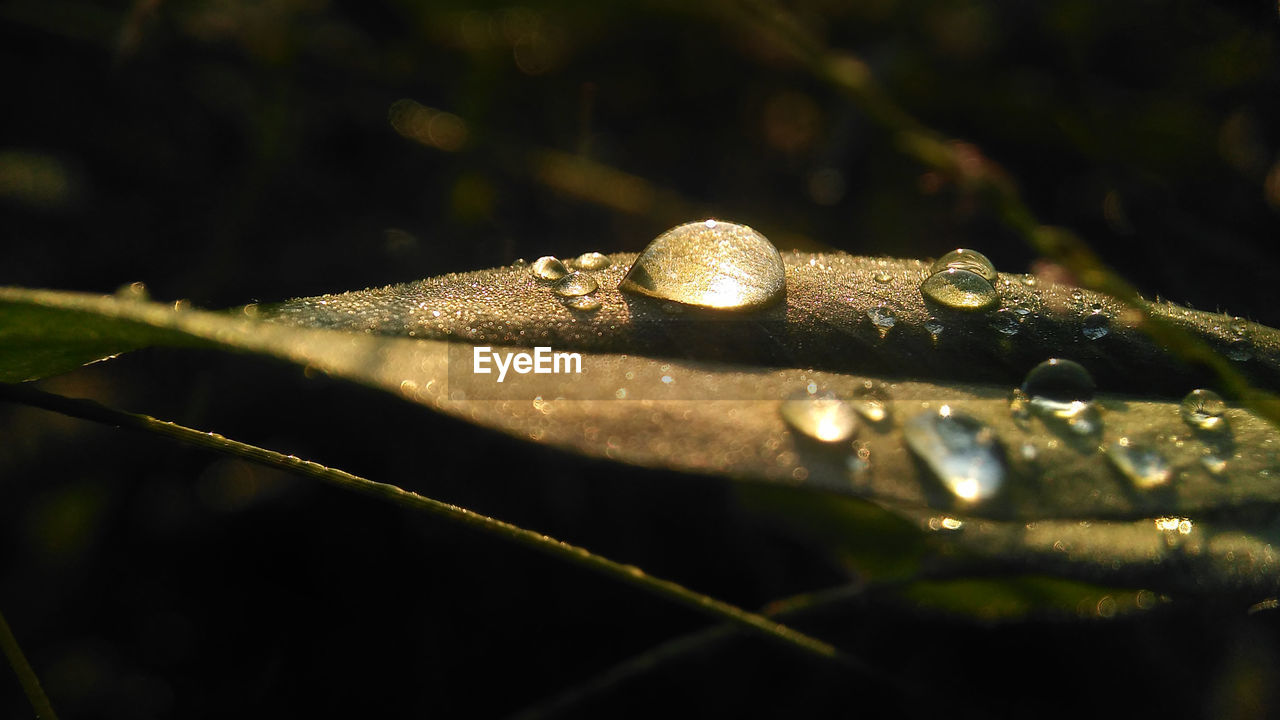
(1061, 501)
(841, 312)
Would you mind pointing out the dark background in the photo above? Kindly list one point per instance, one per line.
(227, 151)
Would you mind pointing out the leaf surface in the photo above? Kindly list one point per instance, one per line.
(700, 392)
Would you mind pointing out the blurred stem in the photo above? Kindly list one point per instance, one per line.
(684, 645)
(629, 574)
(30, 683)
(969, 168)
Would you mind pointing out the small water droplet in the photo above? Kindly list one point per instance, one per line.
(1005, 321)
(882, 317)
(1213, 462)
(1077, 295)
(710, 264)
(1029, 281)
(823, 417)
(871, 400)
(1095, 326)
(548, 268)
(963, 259)
(1140, 462)
(134, 291)
(941, 523)
(1239, 326)
(575, 284)
(858, 462)
(592, 261)
(881, 277)
(1239, 350)
(1203, 410)
(582, 303)
(960, 290)
(934, 326)
(960, 450)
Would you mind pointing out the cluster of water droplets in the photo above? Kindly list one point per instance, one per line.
(724, 266)
(962, 280)
(572, 281)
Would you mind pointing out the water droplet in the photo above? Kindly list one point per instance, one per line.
(1077, 295)
(871, 400)
(1203, 410)
(1063, 390)
(709, 264)
(135, 291)
(858, 462)
(971, 260)
(1140, 462)
(823, 417)
(1239, 350)
(960, 290)
(881, 277)
(592, 261)
(960, 450)
(882, 317)
(1239, 326)
(1095, 326)
(1215, 463)
(548, 268)
(1005, 321)
(949, 524)
(575, 284)
(934, 326)
(1059, 381)
(582, 303)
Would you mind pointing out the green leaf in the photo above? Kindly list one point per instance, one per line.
(698, 391)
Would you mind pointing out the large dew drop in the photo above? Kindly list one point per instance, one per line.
(825, 417)
(709, 264)
(960, 450)
(960, 290)
(971, 260)
(1204, 410)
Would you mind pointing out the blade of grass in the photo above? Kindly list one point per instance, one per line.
(629, 574)
(637, 665)
(30, 683)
